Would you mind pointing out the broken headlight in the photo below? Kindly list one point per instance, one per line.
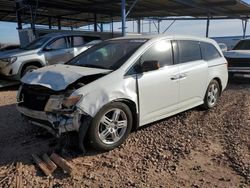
(71, 101)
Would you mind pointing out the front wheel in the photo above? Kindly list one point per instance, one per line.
(111, 126)
(212, 95)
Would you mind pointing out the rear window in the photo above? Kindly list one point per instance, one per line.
(209, 52)
(189, 51)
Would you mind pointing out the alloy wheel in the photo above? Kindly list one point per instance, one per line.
(112, 126)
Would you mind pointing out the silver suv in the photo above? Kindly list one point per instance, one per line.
(46, 50)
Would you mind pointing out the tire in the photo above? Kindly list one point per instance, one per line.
(212, 94)
(110, 127)
(29, 68)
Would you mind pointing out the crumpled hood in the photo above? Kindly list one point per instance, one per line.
(58, 77)
(237, 54)
(16, 52)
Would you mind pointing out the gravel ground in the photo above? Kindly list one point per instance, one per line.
(193, 149)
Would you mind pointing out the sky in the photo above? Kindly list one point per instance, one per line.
(9, 34)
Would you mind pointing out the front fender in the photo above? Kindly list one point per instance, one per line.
(95, 99)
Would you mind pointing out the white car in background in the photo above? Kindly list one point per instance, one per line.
(239, 59)
(122, 84)
(46, 50)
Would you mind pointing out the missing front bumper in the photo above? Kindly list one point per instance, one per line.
(53, 122)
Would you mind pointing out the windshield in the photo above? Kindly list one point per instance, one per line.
(38, 43)
(243, 45)
(108, 55)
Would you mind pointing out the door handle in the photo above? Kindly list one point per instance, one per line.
(175, 77)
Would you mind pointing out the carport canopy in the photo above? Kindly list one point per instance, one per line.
(76, 13)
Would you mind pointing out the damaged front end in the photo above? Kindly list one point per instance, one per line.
(55, 111)
(46, 96)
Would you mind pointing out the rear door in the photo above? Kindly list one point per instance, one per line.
(159, 89)
(58, 51)
(193, 73)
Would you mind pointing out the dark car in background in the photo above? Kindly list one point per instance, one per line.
(239, 59)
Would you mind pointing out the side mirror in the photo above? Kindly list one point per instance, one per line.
(150, 66)
(223, 47)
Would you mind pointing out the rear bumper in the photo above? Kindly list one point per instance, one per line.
(54, 123)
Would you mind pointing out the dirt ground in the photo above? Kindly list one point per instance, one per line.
(193, 149)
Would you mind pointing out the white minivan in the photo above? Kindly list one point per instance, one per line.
(122, 84)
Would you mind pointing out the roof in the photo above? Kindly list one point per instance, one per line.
(81, 12)
(162, 36)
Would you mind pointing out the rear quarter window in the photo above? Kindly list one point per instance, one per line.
(209, 51)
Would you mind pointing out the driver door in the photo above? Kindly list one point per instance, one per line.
(58, 51)
(158, 89)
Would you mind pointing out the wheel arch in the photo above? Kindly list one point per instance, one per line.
(132, 106)
(29, 63)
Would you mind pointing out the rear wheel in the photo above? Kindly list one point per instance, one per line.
(212, 95)
(111, 126)
(27, 69)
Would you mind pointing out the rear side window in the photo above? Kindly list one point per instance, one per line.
(78, 41)
(209, 52)
(189, 51)
(161, 51)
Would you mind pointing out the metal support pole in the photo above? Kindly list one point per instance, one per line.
(50, 25)
(123, 15)
(208, 24)
(59, 24)
(101, 27)
(95, 23)
(245, 28)
(32, 24)
(112, 27)
(18, 16)
(138, 26)
(159, 26)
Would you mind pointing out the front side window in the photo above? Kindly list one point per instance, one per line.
(243, 45)
(108, 55)
(209, 52)
(189, 51)
(38, 43)
(161, 51)
(58, 44)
